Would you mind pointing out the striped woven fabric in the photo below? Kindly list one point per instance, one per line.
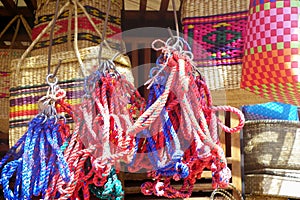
(24, 104)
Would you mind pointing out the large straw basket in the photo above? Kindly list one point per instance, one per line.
(271, 144)
(8, 53)
(264, 197)
(28, 85)
(235, 97)
(88, 35)
(215, 30)
(275, 186)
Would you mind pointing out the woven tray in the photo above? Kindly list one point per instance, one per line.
(277, 186)
(271, 144)
(28, 85)
(64, 29)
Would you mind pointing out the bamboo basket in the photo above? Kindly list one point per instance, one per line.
(273, 186)
(88, 34)
(272, 144)
(205, 23)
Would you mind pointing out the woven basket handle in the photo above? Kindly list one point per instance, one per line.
(19, 19)
(235, 111)
(37, 39)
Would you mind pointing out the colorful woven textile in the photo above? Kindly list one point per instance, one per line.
(217, 39)
(271, 61)
(271, 110)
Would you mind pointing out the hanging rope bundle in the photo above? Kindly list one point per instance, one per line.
(37, 156)
(198, 126)
(111, 105)
(160, 141)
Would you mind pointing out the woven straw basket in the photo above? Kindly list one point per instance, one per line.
(275, 186)
(6, 55)
(88, 35)
(28, 85)
(264, 197)
(200, 19)
(193, 8)
(271, 144)
(235, 97)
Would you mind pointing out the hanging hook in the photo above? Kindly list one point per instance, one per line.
(50, 45)
(175, 18)
(104, 31)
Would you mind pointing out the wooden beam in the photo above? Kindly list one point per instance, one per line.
(22, 37)
(143, 6)
(10, 6)
(31, 5)
(136, 19)
(164, 5)
(4, 12)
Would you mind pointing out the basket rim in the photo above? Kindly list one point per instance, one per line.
(272, 121)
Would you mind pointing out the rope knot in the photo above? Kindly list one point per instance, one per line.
(147, 188)
(182, 169)
(159, 189)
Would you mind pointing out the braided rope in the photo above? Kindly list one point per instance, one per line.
(196, 121)
(226, 194)
(154, 110)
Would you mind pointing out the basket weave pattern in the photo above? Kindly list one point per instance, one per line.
(215, 31)
(276, 186)
(28, 85)
(271, 144)
(272, 158)
(64, 28)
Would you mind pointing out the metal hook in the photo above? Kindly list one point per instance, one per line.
(51, 37)
(175, 18)
(104, 31)
(51, 84)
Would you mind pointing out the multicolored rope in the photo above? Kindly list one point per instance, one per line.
(199, 125)
(39, 157)
(110, 105)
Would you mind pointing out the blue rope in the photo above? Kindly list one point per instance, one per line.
(7, 173)
(39, 158)
(12, 151)
(150, 143)
(18, 182)
(174, 166)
